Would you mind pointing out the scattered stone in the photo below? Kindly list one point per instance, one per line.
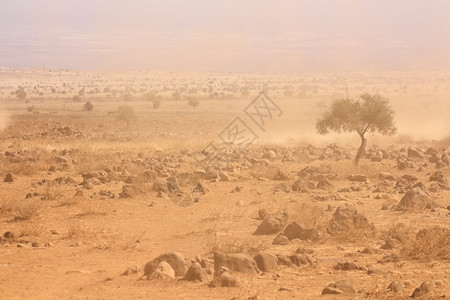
(196, 273)
(340, 287)
(425, 288)
(415, 198)
(347, 218)
(347, 266)
(162, 271)
(236, 262)
(396, 287)
(174, 259)
(271, 225)
(130, 191)
(283, 175)
(266, 262)
(223, 278)
(9, 235)
(295, 231)
(357, 178)
(131, 270)
(9, 178)
(280, 240)
(439, 177)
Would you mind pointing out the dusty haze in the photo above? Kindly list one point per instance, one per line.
(169, 150)
(204, 35)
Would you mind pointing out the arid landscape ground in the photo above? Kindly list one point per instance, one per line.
(96, 204)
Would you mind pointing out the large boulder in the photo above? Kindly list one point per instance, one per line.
(174, 259)
(266, 262)
(346, 218)
(295, 231)
(162, 271)
(340, 287)
(271, 225)
(196, 273)
(415, 198)
(235, 262)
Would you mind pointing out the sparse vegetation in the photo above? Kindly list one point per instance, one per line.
(88, 106)
(126, 114)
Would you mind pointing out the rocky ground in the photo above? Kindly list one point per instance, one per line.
(90, 208)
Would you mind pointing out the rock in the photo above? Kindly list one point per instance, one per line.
(9, 235)
(196, 273)
(300, 186)
(162, 271)
(284, 260)
(266, 262)
(236, 262)
(280, 240)
(357, 178)
(283, 175)
(415, 198)
(395, 287)
(174, 259)
(373, 271)
(173, 185)
(200, 189)
(295, 231)
(439, 177)
(415, 153)
(371, 250)
(9, 178)
(130, 191)
(302, 250)
(347, 266)
(131, 270)
(340, 287)
(223, 278)
(263, 214)
(324, 183)
(347, 218)
(271, 225)
(386, 176)
(301, 259)
(425, 288)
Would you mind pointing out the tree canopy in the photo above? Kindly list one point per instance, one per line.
(372, 113)
(369, 114)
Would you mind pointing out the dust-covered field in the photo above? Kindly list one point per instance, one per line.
(109, 189)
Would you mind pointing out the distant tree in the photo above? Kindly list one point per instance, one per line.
(88, 106)
(76, 98)
(127, 97)
(21, 94)
(176, 95)
(371, 113)
(193, 102)
(156, 103)
(127, 114)
(81, 92)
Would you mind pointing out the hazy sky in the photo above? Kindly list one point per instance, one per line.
(226, 35)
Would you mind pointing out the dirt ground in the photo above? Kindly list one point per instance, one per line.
(86, 196)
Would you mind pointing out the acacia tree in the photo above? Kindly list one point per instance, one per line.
(369, 114)
(193, 103)
(127, 114)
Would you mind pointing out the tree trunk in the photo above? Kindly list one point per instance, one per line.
(361, 149)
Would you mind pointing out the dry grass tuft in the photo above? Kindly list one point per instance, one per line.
(306, 214)
(30, 229)
(234, 245)
(429, 244)
(134, 239)
(53, 191)
(21, 209)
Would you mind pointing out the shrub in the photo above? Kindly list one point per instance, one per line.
(88, 106)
